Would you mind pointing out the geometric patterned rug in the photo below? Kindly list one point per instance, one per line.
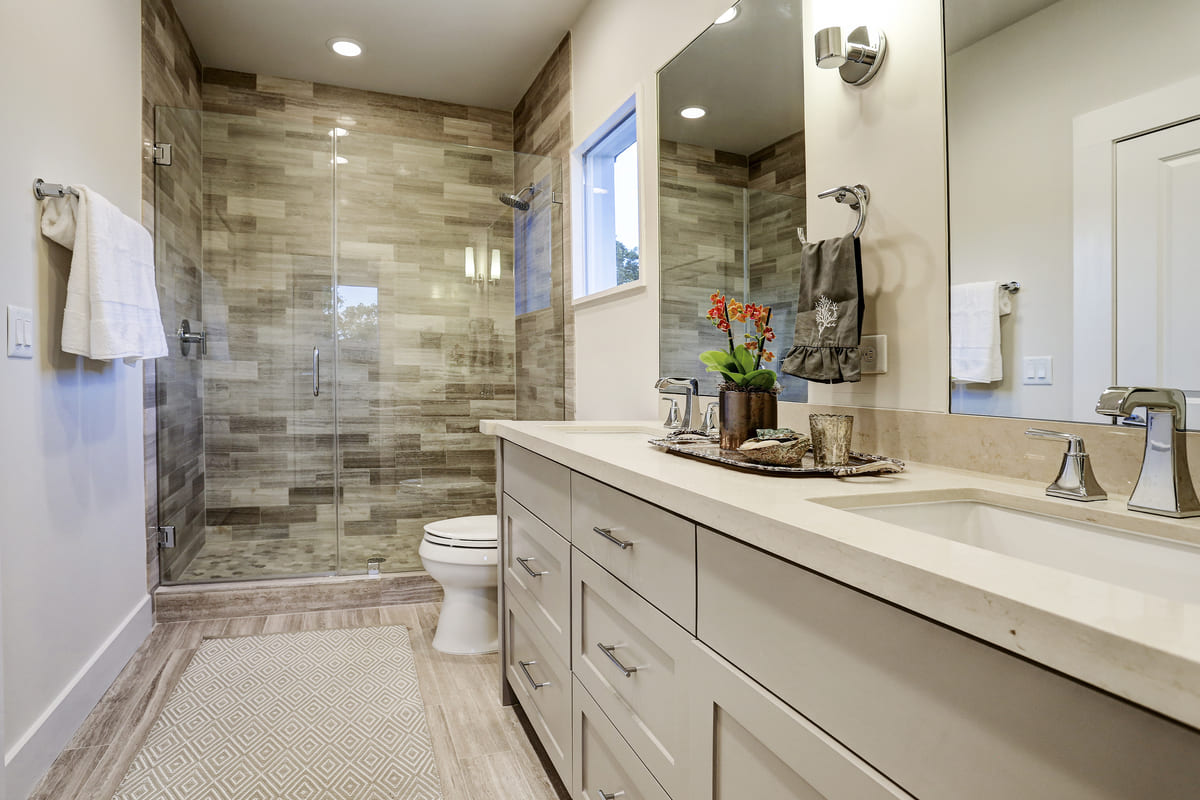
(317, 715)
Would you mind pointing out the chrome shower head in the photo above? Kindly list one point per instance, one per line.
(515, 201)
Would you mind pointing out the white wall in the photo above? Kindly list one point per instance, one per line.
(72, 545)
(1010, 125)
(889, 135)
(617, 48)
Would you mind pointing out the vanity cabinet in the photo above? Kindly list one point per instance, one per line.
(746, 743)
(689, 665)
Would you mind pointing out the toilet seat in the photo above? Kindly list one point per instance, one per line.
(471, 533)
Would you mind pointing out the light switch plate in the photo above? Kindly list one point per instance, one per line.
(1038, 370)
(873, 351)
(20, 332)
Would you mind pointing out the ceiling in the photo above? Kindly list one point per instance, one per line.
(474, 52)
(748, 73)
(969, 21)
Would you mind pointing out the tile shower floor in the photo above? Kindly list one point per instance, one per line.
(221, 559)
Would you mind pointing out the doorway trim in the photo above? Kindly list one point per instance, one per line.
(1096, 135)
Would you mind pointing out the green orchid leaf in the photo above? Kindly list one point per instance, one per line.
(745, 358)
(761, 378)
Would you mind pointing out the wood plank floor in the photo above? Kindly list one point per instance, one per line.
(483, 749)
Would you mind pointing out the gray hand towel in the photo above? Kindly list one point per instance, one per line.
(828, 313)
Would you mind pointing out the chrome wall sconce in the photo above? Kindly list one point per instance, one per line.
(857, 57)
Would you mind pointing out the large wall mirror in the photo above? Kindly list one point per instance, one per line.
(731, 180)
(1074, 166)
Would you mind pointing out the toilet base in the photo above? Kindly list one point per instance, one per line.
(468, 623)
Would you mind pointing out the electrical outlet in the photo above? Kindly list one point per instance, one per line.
(873, 352)
(20, 332)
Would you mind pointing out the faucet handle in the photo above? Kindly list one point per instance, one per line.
(1075, 480)
(711, 424)
(673, 419)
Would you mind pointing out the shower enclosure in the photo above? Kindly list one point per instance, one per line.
(364, 300)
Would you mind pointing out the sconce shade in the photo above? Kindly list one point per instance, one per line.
(857, 57)
(470, 263)
(831, 48)
(495, 275)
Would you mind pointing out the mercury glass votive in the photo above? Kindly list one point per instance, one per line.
(831, 438)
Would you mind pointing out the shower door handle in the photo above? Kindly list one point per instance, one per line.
(316, 372)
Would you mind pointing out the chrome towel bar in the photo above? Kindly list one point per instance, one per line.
(42, 190)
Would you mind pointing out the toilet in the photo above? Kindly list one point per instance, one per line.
(460, 554)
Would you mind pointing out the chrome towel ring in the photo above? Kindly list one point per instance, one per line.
(857, 197)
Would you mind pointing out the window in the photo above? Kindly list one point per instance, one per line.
(610, 186)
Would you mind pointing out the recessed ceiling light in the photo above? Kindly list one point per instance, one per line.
(693, 112)
(339, 160)
(345, 47)
(339, 132)
(727, 16)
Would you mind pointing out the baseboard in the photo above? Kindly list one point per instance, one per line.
(31, 755)
(182, 603)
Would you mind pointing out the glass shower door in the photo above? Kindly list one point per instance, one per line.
(265, 385)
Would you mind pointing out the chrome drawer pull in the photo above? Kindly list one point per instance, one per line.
(606, 796)
(608, 651)
(525, 665)
(607, 534)
(524, 562)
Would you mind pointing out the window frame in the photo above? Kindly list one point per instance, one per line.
(596, 276)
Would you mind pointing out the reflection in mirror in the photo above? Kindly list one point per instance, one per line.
(731, 181)
(1074, 171)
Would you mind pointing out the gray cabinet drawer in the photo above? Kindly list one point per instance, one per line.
(604, 763)
(537, 569)
(633, 660)
(746, 743)
(542, 684)
(943, 715)
(539, 484)
(658, 558)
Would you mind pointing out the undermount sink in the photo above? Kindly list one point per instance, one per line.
(1150, 564)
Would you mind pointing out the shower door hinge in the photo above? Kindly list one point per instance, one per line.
(165, 536)
(162, 154)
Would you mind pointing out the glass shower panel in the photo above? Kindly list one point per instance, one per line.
(178, 379)
(268, 310)
(540, 291)
(426, 337)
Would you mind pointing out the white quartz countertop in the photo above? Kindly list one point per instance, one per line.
(1132, 644)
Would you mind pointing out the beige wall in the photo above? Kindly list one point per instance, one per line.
(889, 135)
(72, 545)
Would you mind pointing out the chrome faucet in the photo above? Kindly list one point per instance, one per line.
(1075, 480)
(1165, 483)
(690, 387)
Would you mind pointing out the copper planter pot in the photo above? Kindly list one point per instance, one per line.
(743, 413)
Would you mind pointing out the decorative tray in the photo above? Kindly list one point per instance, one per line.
(710, 450)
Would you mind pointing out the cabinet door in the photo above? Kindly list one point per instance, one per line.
(632, 658)
(605, 765)
(748, 744)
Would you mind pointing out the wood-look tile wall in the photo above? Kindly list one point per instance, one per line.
(432, 356)
(711, 203)
(702, 202)
(173, 396)
(545, 338)
(777, 207)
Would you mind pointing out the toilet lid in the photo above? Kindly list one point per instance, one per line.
(478, 530)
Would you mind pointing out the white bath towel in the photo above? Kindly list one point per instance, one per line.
(975, 311)
(112, 302)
